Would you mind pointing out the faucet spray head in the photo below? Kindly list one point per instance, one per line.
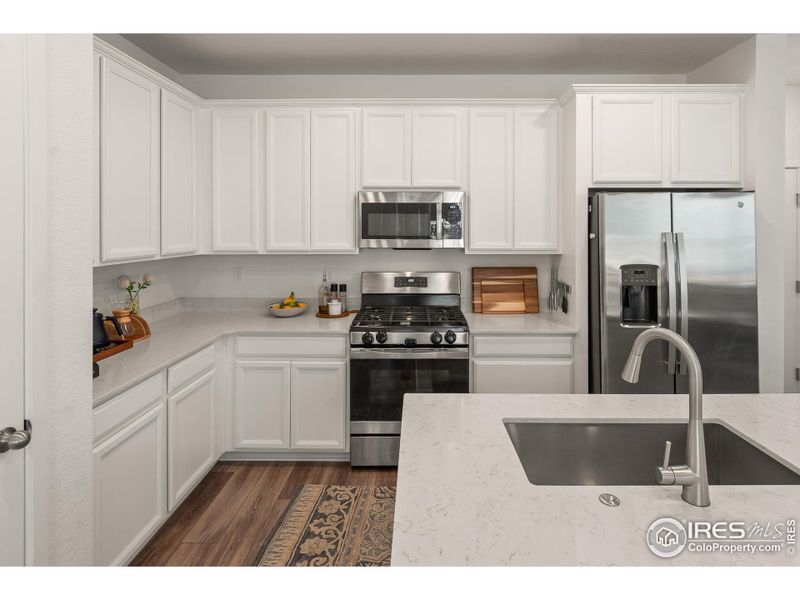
(630, 371)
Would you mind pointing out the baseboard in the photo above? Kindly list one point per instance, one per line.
(287, 456)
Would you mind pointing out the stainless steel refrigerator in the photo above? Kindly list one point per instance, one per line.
(685, 261)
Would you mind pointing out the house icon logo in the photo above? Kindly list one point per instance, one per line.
(666, 537)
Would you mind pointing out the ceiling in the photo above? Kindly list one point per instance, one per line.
(400, 54)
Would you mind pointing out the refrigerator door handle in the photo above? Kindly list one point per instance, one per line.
(669, 268)
(683, 282)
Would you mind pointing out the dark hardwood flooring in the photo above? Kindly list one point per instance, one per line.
(228, 517)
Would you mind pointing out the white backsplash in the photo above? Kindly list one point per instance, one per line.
(268, 276)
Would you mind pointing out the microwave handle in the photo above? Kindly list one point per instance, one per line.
(439, 227)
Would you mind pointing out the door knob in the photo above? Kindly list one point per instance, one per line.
(13, 439)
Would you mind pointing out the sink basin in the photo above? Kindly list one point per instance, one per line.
(627, 453)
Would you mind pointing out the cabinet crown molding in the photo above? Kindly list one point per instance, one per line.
(650, 88)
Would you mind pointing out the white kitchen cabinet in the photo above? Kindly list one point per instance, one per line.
(191, 436)
(261, 405)
(287, 179)
(705, 138)
(491, 179)
(236, 211)
(129, 164)
(130, 487)
(318, 399)
(536, 194)
(178, 171)
(333, 180)
(386, 147)
(438, 158)
(522, 376)
(627, 138)
(793, 126)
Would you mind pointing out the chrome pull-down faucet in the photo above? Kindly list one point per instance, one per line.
(693, 476)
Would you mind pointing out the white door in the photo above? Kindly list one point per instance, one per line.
(439, 148)
(261, 405)
(235, 197)
(178, 189)
(793, 197)
(386, 147)
(130, 487)
(706, 138)
(536, 224)
(627, 138)
(491, 179)
(12, 244)
(534, 376)
(129, 164)
(287, 180)
(191, 436)
(319, 405)
(333, 180)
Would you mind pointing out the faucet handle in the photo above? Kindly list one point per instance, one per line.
(667, 450)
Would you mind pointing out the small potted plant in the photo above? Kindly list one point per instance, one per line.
(134, 288)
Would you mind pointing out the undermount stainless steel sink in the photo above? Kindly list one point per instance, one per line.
(626, 453)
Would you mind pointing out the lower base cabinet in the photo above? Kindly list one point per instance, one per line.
(318, 405)
(537, 376)
(261, 405)
(130, 487)
(191, 436)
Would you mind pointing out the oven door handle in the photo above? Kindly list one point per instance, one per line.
(408, 354)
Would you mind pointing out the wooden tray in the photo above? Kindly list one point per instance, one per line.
(502, 288)
(346, 313)
(116, 349)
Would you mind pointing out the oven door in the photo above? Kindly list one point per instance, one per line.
(399, 219)
(380, 377)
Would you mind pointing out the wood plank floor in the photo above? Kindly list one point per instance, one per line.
(229, 515)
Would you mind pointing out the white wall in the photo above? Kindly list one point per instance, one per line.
(272, 277)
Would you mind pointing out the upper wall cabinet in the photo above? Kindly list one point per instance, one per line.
(706, 138)
(333, 180)
(421, 148)
(235, 185)
(287, 179)
(178, 166)
(129, 164)
(627, 138)
(665, 139)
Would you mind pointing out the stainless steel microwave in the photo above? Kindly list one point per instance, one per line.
(411, 219)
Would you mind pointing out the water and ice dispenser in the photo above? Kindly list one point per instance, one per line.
(639, 301)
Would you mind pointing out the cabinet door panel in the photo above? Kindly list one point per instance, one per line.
(319, 405)
(540, 376)
(261, 405)
(333, 179)
(706, 138)
(536, 223)
(438, 155)
(627, 138)
(130, 487)
(287, 180)
(491, 185)
(386, 148)
(191, 419)
(235, 194)
(129, 170)
(178, 190)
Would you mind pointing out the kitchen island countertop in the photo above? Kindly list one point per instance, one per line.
(463, 497)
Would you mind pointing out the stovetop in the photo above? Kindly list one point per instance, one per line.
(409, 317)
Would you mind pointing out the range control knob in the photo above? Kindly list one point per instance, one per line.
(450, 337)
(381, 336)
(367, 338)
(436, 337)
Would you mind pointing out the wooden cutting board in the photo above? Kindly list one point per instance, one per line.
(509, 290)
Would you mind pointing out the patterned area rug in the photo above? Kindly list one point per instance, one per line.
(334, 525)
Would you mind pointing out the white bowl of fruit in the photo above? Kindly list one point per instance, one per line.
(288, 307)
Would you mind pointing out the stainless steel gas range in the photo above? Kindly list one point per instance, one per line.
(409, 336)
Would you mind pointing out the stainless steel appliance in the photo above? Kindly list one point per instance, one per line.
(411, 219)
(685, 261)
(409, 336)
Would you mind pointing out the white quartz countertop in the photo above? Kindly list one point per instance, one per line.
(175, 337)
(530, 323)
(463, 497)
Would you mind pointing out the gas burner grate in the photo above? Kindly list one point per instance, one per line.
(390, 316)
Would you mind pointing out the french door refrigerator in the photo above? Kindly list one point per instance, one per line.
(685, 261)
